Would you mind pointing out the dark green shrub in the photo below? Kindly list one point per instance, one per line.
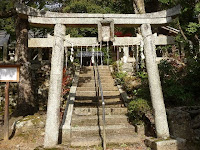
(179, 82)
(137, 109)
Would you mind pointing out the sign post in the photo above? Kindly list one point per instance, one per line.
(8, 73)
(6, 113)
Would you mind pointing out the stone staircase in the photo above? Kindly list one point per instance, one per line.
(86, 125)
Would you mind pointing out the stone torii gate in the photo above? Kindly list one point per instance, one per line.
(105, 24)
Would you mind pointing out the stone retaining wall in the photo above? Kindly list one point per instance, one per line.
(184, 122)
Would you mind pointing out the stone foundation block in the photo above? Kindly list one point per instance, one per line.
(165, 145)
(169, 144)
(66, 136)
(140, 130)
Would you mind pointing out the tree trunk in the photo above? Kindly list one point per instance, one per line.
(139, 7)
(26, 104)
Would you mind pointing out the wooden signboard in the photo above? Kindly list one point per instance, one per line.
(8, 73)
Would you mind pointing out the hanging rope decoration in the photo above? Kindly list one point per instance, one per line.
(107, 53)
(66, 55)
(97, 54)
(101, 53)
(93, 54)
(72, 53)
(142, 49)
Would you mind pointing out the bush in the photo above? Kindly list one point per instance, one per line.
(131, 83)
(137, 110)
(117, 67)
(174, 77)
(120, 76)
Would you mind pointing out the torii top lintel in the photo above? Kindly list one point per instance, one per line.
(46, 18)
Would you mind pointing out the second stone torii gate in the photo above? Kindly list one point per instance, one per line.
(93, 41)
(60, 20)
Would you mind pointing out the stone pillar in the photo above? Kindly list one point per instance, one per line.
(137, 58)
(162, 129)
(126, 54)
(53, 107)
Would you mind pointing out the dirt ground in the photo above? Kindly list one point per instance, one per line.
(21, 139)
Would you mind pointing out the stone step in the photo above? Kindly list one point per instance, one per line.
(93, 93)
(105, 88)
(110, 139)
(103, 81)
(91, 68)
(92, 71)
(108, 81)
(86, 111)
(106, 73)
(85, 131)
(92, 75)
(81, 102)
(92, 84)
(99, 104)
(97, 120)
(92, 98)
(92, 78)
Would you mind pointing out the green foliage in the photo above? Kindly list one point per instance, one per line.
(117, 66)
(85, 6)
(137, 109)
(197, 8)
(193, 28)
(143, 90)
(107, 55)
(180, 83)
(187, 21)
(120, 77)
(192, 78)
(167, 1)
(143, 75)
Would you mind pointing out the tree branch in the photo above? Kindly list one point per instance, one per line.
(182, 33)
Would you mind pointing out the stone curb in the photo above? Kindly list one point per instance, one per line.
(65, 127)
